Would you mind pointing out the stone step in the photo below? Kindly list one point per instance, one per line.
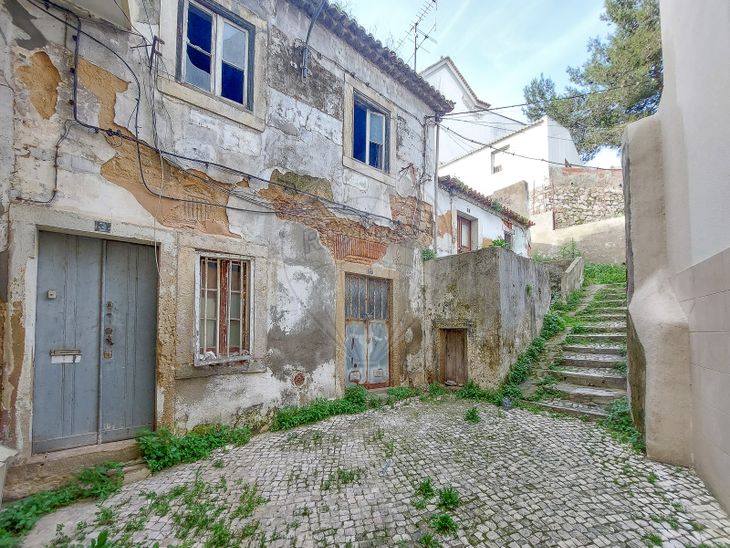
(606, 310)
(592, 317)
(135, 471)
(571, 359)
(601, 338)
(603, 327)
(588, 349)
(598, 377)
(589, 394)
(583, 410)
(608, 301)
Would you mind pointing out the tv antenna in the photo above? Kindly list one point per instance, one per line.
(419, 36)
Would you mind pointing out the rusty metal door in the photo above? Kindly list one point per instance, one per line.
(367, 331)
(455, 371)
(94, 361)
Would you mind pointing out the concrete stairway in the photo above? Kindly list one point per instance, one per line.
(591, 372)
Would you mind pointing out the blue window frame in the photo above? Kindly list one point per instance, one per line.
(370, 134)
(216, 51)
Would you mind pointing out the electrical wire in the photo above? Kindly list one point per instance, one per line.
(344, 208)
(502, 151)
(566, 98)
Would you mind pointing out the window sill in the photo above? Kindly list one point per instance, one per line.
(242, 366)
(368, 171)
(211, 103)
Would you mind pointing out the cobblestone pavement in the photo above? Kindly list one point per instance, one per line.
(524, 480)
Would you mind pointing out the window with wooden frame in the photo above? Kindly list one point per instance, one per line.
(370, 134)
(216, 51)
(222, 312)
(463, 229)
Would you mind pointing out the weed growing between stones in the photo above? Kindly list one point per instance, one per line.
(343, 476)
(199, 512)
(443, 523)
(621, 427)
(428, 541)
(448, 498)
(18, 518)
(162, 449)
(425, 489)
(652, 539)
(472, 416)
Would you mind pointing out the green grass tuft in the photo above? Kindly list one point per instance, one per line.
(472, 416)
(162, 449)
(18, 518)
(596, 273)
(620, 425)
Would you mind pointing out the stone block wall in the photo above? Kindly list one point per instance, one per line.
(584, 195)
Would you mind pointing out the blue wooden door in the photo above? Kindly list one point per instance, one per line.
(367, 331)
(94, 362)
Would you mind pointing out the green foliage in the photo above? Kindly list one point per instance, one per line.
(356, 400)
(448, 498)
(652, 539)
(570, 250)
(17, 518)
(435, 390)
(443, 523)
(620, 425)
(425, 489)
(427, 254)
(499, 242)
(401, 393)
(472, 416)
(342, 476)
(628, 64)
(596, 273)
(428, 541)
(162, 449)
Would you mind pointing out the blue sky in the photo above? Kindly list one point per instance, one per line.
(499, 45)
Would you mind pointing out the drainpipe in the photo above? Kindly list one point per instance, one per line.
(436, 189)
(305, 51)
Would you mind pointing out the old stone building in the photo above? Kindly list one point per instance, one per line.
(198, 211)
(210, 210)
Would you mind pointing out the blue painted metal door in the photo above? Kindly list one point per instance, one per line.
(94, 356)
(367, 331)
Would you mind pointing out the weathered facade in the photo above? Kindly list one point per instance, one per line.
(190, 234)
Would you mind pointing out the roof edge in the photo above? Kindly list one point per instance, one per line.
(349, 30)
(456, 186)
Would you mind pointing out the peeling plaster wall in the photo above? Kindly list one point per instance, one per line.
(299, 247)
(500, 299)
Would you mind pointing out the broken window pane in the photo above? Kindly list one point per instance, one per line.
(198, 50)
(359, 136)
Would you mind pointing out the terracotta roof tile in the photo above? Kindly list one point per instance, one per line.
(455, 186)
(372, 49)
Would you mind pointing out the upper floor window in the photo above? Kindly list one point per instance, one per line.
(370, 134)
(217, 51)
(498, 158)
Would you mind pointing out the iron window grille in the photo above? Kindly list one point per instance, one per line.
(223, 306)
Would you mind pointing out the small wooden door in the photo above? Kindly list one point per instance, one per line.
(455, 356)
(464, 234)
